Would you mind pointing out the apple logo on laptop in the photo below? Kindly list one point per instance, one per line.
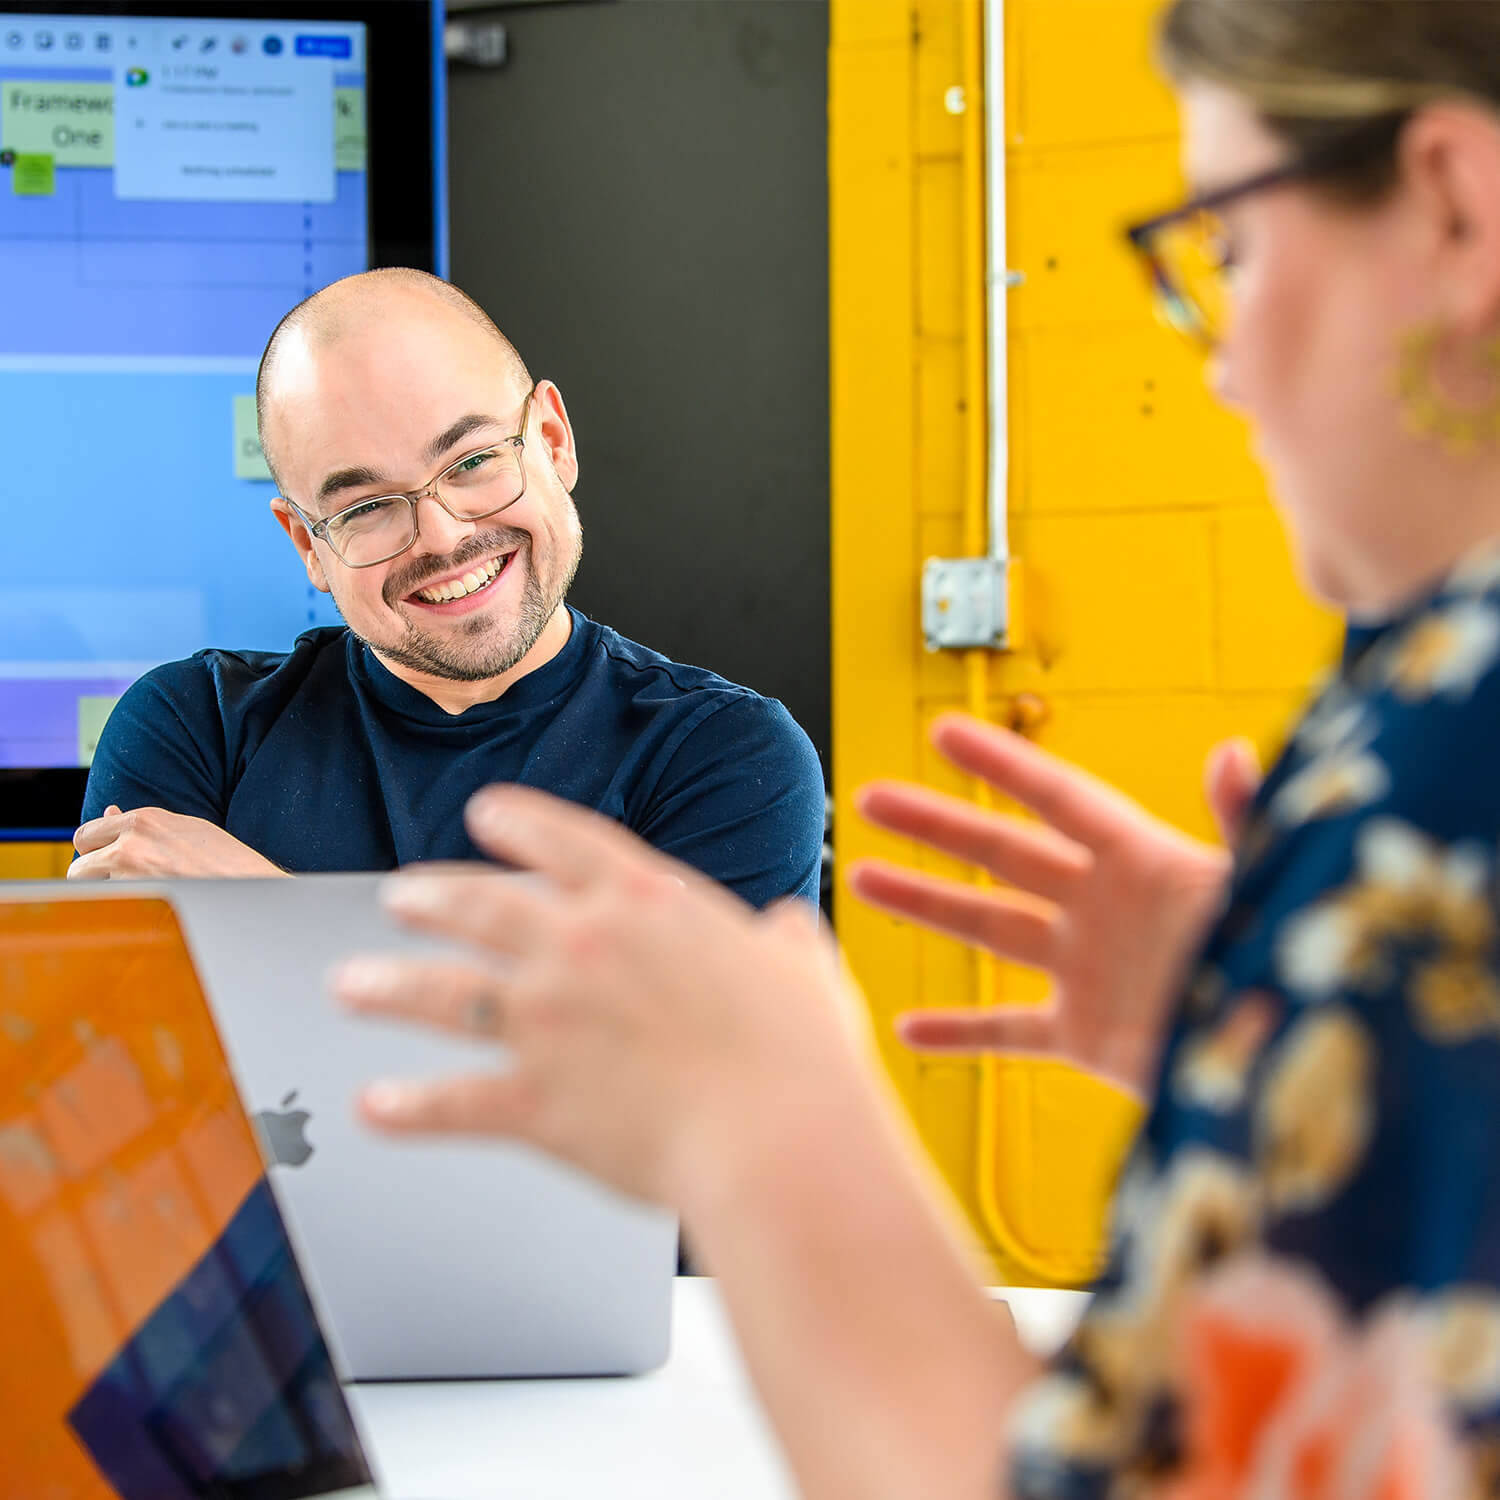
(284, 1132)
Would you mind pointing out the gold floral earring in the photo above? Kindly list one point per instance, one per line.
(1429, 413)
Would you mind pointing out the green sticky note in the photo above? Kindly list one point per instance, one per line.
(92, 712)
(33, 176)
(249, 461)
(349, 130)
(73, 123)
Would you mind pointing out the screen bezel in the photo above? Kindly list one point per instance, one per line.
(406, 190)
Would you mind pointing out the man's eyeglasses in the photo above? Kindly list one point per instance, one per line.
(1186, 251)
(471, 488)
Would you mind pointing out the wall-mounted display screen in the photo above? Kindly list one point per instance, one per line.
(170, 185)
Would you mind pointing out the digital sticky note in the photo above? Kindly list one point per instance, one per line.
(33, 176)
(92, 712)
(71, 122)
(249, 461)
(349, 129)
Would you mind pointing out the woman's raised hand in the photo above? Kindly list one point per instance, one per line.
(1100, 895)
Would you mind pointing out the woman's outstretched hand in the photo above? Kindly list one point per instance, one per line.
(656, 1024)
(1100, 895)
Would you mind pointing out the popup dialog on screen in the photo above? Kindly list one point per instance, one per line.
(246, 129)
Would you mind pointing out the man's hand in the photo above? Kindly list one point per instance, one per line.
(656, 1024)
(151, 843)
(1106, 899)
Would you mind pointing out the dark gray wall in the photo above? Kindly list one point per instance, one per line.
(639, 198)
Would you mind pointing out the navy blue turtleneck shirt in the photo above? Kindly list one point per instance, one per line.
(322, 760)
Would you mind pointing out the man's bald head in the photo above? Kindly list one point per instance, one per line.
(358, 303)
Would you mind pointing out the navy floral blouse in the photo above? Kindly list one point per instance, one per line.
(1303, 1298)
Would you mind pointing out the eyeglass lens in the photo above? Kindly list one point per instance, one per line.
(476, 486)
(1193, 265)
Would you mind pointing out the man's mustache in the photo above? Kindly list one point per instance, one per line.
(408, 580)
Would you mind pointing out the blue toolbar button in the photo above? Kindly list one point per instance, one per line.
(324, 46)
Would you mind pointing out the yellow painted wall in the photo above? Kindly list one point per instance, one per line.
(1161, 614)
(34, 861)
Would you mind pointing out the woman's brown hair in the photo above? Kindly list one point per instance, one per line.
(1316, 70)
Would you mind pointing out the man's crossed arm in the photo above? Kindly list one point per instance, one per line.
(152, 843)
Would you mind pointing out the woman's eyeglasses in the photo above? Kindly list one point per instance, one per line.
(1187, 252)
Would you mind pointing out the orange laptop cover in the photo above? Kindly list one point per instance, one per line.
(156, 1340)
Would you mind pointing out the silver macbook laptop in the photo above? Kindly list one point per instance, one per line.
(425, 1259)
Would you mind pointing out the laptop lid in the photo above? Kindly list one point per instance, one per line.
(159, 1342)
(430, 1258)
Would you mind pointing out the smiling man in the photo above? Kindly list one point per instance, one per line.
(426, 483)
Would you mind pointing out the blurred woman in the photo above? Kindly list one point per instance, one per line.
(1304, 1293)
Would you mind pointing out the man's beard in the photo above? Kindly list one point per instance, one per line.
(490, 653)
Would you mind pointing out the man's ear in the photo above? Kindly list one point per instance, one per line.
(549, 421)
(291, 523)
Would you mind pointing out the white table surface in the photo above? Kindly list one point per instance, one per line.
(692, 1428)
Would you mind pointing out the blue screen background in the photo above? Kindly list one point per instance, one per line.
(127, 330)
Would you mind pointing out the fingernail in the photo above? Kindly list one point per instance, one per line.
(416, 894)
(362, 979)
(388, 1101)
(489, 813)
